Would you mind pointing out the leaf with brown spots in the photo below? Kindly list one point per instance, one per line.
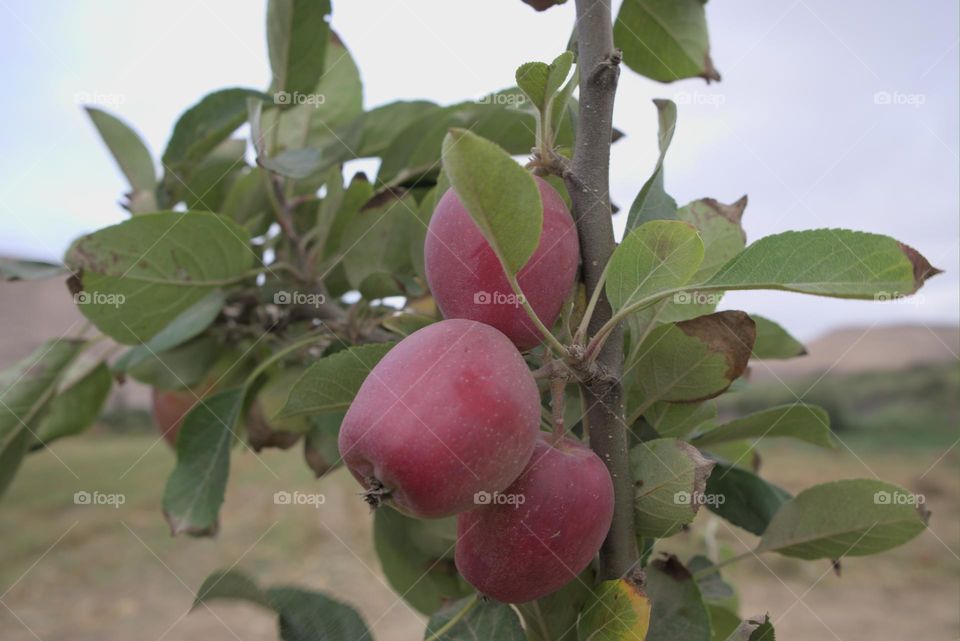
(690, 361)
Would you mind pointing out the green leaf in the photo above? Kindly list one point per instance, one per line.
(13, 269)
(748, 501)
(378, 127)
(827, 262)
(302, 615)
(554, 617)
(179, 367)
(678, 609)
(315, 124)
(311, 616)
(416, 152)
(541, 82)
(756, 628)
(677, 420)
(231, 585)
(195, 489)
(653, 202)
(721, 230)
(297, 34)
(78, 403)
(247, 203)
(206, 185)
(295, 163)
(800, 421)
(690, 361)
(773, 341)
(189, 324)
(338, 211)
(425, 580)
(713, 588)
(320, 449)
(485, 620)
(852, 517)
(670, 477)
(330, 384)
(665, 40)
(723, 622)
(618, 610)
(375, 242)
(500, 195)
(657, 256)
(532, 80)
(26, 390)
(406, 324)
(128, 149)
(201, 129)
(139, 275)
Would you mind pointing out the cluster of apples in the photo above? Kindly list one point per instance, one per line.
(448, 423)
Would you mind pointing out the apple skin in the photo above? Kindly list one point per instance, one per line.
(461, 266)
(518, 553)
(169, 408)
(450, 411)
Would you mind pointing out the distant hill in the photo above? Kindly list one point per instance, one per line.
(863, 349)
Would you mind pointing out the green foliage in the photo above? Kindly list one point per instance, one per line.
(748, 501)
(844, 518)
(26, 391)
(301, 615)
(689, 361)
(773, 341)
(678, 608)
(657, 256)
(417, 559)
(330, 384)
(501, 197)
(665, 40)
(653, 202)
(470, 619)
(128, 150)
(297, 33)
(617, 611)
(283, 267)
(139, 275)
(804, 422)
(195, 489)
(827, 262)
(669, 476)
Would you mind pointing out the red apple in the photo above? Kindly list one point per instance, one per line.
(467, 280)
(451, 411)
(543, 530)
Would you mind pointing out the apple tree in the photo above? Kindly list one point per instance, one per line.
(526, 403)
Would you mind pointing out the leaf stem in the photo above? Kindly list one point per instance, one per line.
(581, 334)
(446, 627)
(705, 572)
(552, 340)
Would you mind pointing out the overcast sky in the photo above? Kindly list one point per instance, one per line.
(794, 123)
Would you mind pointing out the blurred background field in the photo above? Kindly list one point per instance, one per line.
(115, 573)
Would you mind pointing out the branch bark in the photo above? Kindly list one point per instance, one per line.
(588, 184)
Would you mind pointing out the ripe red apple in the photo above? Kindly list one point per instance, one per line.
(169, 408)
(452, 410)
(467, 280)
(543, 530)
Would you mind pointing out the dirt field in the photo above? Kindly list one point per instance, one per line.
(101, 573)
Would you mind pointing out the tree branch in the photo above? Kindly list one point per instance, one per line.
(588, 184)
